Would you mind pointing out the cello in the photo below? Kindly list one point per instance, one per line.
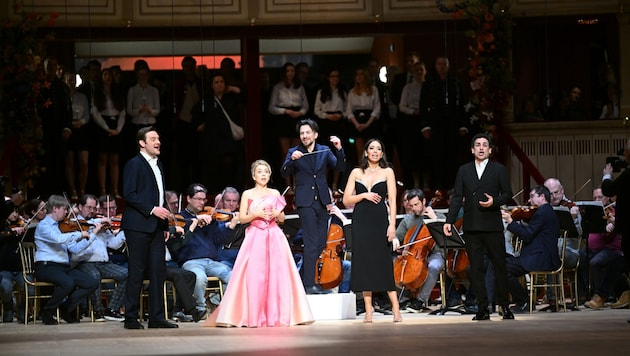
(329, 271)
(457, 261)
(411, 267)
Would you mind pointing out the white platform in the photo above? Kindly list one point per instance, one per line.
(333, 306)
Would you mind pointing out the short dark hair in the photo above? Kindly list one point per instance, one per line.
(484, 136)
(189, 59)
(195, 188)
(142, 133)
(314, 126)
(542, 190)
(415, 193)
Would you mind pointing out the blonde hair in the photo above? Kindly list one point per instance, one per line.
(260, 162)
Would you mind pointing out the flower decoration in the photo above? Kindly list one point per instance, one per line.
(489, 58)
(21, 77)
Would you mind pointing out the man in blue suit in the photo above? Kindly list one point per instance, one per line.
(144, 222)
(539, 251)
(309, 161)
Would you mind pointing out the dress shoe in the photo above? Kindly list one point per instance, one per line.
(507, 313)
(519, 308)
(482, 314)
(623, 301)
(596, 302)
(416, 306)
(133, 324)
(199, 315)
(315, 290)
(48, 318)
(113, 315)
(69, 316)
(162, 324)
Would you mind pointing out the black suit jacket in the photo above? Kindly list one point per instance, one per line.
(141, 194)
(620, 187)
(540, 240)
(310, 173)
(469, 190)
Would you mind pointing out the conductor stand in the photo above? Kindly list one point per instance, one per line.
(455, 242)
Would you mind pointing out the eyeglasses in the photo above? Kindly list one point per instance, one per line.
(200, 199)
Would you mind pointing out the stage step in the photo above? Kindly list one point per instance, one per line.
(334, 306)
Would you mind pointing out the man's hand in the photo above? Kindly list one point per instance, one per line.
(447, 230)
(488, 203)
(296, 155)
(608, 170)
(161, 212)
(336, 142)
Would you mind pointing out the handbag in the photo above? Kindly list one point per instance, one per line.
(237, 131)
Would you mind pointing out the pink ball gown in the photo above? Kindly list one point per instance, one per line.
(265, 287)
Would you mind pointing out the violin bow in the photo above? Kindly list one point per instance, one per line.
(28, 222)
(285, 190)
(414, 242)
(517, 194)
(71, 213)
(582, 187)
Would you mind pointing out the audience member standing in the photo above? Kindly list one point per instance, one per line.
(143, 107)
(79, 144)
(362, 110)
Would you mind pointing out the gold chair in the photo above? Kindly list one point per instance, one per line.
(571, 277)
(216, 287)
(145, 294)
(27, 255)
(557, 280)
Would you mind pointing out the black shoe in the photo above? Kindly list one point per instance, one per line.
(520, 308)
(199, 315)
(482, 314)
(68, 316)
(416, 306)
(550, 308)
(180, 317)
(113, 315)
(133, 324)
(315, 290)
(162, 324)
(48, 318)
(507, 313)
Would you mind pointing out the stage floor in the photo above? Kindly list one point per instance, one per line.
(583, 332)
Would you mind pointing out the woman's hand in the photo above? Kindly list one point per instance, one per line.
(391, 232)
(373, 197)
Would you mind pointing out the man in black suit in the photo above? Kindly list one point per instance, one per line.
(144, 222)
(309, 161)
(539, 251)
(482, 186)
(620, 187)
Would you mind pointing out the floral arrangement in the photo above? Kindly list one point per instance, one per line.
(489, 58)
(23, 46)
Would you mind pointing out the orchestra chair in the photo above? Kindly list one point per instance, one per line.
(214, 284)
(104, 281)
(571, 277)
(27, 255)
(557, 280)
(145, 294)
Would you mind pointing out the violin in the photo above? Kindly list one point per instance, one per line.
(524, 213)
(411, 268)
(568, 203)
(439, 200)
(329, 271)
(71, 225)
(177, 220)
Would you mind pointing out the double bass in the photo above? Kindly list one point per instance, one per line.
(329, 271)
(411, 268)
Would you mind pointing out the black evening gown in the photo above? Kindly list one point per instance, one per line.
(372, 264)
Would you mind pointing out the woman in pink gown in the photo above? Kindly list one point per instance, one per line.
(265, 287)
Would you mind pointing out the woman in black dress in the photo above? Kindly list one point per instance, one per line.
(371, 188)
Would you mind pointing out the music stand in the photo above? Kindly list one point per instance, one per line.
(436, 228)
(566, 220)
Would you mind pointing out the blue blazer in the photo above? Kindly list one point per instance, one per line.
(310, 173)
(469, 190)
(540, 240)
(141, 194)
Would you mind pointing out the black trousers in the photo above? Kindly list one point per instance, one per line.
(184, 282)
(69, 282)
(146, 255)
(314, 222)
(493, 243)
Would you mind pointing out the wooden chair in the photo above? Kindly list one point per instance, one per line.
(214, 284)
(27, 255)
(557, 280)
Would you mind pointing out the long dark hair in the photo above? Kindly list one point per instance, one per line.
(327, 90)
(114, 91)
(364, 161)
(296, 82)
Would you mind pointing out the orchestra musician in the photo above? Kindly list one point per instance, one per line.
(435, 259)
(539, 252)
